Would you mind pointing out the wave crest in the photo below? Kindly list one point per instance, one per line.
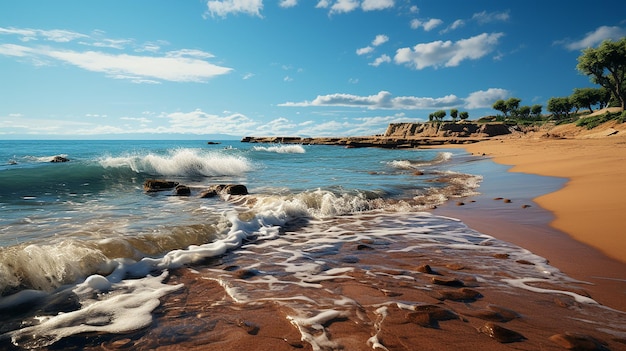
(182, 162)
(282, 149)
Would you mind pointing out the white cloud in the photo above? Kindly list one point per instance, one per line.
(288, 3)
(447, 53)
(343, 6)
(380, 39)
(323, 4)
(373, 5)
(15, 50)
(176, 66)
(56, 35)
(176, 69)
(594, 38)
(364, 51)
(485, 98)
(455, 25)
(380, 60)
(222, 8)
(428, 25)
(382, 100)
(487, 17)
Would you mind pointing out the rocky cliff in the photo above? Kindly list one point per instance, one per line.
(445, 130)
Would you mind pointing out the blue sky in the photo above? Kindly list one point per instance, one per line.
(156, 68)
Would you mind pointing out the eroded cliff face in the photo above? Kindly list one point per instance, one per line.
(445, 129)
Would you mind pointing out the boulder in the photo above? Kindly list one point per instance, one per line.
(153, 185)
(57, 159)
(230, 189)
(182, 190)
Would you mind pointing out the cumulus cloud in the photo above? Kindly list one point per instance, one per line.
(223, 8)
(380, 60)
(595, 37)
(447, 53)
(364, 51)
(485, 98)
(288, 3)
(385, 101)
(378, 40)
(382, 100)
(373, 5)
(427, 25)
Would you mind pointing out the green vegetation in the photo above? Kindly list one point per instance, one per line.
(605, 65)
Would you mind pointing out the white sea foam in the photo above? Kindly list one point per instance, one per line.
(182, 162)
(282, 149)
(128, 308)
(441, 157)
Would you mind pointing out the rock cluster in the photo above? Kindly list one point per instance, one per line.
(156, 185)
(404, 135)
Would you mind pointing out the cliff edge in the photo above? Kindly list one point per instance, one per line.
(446, 130)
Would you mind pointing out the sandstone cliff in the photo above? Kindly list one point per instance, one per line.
(446, 130)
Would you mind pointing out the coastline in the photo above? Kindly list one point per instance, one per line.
(578, 227)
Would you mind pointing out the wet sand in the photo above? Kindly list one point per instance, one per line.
(582, 230)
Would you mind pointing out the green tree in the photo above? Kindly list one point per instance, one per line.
(431, 117)
(524, 112)
(512, 105)
(501, 106)
(586, 97)
(439, 115)
(454, 113)
(606, 66)
(464, 115)
(560, 106)
(535, 111)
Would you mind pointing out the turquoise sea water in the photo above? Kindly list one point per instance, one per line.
(87, 228)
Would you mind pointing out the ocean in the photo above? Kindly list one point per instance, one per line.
(89, 260)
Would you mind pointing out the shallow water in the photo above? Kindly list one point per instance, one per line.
(83, 238)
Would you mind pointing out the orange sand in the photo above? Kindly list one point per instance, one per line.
(591, 206)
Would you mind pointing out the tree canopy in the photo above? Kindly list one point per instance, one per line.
(606, 66)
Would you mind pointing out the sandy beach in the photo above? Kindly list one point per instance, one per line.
(591, 205)
(586, 237)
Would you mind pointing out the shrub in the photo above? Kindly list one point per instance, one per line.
(592, 122)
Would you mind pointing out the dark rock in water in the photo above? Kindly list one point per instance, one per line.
(213, 142)
(463, 294)
(446, 281)
(501, 334)
(208, 193)
(576, 341)
(246, 273)
(425, 269)
(230, 189)
(182, 190)
(429, 315)
(364, 247)
(152, 185)
(57, 159)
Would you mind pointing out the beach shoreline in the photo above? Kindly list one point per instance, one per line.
(580, 232)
